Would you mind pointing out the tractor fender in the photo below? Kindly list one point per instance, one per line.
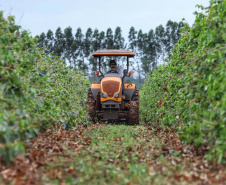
(95, 89)
(128, 91)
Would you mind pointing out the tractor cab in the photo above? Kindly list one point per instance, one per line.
(112, 99)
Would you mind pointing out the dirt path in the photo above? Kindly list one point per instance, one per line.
(111, 154)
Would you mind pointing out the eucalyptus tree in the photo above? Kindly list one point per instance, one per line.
(132, 39)
(172, 35)
(150, 52)
(59, 43)
(102, 40)
(87, 43)
(119, 41)
(96, 42)
(160, 41)
(109, 42)
(150, 48)
(78, 46)
(180, 25)
(176, 31)
(145, 61)
(42, 40)
(134, 47)
(153, 48)
(49, 42)
(69, 40)
(140, 43)
(87, 48)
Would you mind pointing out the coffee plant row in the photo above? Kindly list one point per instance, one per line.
(189, 93)
(36, 91)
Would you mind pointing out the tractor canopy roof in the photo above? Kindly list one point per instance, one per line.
(113, 52)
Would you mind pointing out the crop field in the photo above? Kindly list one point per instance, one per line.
(47, 136)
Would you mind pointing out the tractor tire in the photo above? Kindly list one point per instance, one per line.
(91, 106)
(134, 109)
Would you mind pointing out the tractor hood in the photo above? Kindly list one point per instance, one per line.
(111, 88)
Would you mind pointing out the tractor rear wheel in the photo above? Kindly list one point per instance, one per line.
(91, 105)
(134, 109)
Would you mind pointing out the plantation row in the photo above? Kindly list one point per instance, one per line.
(189, 93)
(35, 91)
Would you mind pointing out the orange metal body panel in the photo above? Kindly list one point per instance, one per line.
(129, 86)
(95, 86)
(119, 89)
(115, 99)
(113, 54)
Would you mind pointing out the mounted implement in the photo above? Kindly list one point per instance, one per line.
(112, 99)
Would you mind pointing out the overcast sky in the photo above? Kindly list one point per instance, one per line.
(40, 15)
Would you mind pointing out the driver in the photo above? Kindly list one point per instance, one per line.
(113, 65)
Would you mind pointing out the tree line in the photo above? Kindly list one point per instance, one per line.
(151, 48)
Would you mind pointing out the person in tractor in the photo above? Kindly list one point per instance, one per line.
(113, 67)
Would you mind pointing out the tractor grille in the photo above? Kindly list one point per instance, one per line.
(110, 87)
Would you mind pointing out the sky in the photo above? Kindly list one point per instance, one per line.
(39, 16)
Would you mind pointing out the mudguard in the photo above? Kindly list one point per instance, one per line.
(128, 91)
(95, 89)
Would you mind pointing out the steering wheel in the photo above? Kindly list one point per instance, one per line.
(112, 71)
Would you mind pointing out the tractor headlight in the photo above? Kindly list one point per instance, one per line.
(116, 95)
(104, 95)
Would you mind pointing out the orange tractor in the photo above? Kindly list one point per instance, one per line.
(112, 100)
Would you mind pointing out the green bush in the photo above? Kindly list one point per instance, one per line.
(192, 87)
(36, 91)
